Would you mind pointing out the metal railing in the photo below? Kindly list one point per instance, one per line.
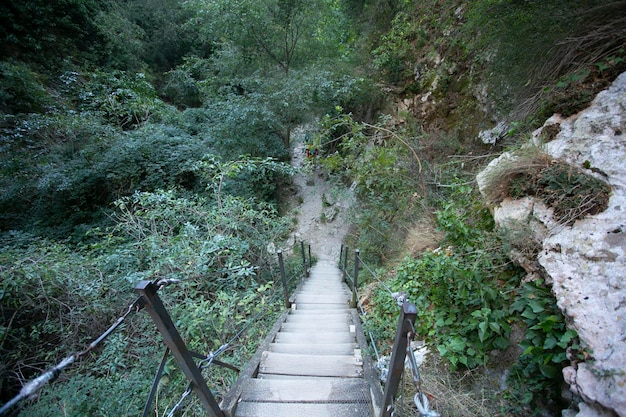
(150, 300)
(401, 350)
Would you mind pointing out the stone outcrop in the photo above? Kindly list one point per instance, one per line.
(585, 262)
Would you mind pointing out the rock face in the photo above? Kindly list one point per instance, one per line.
(586, 262)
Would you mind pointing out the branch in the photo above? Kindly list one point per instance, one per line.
(402, 141)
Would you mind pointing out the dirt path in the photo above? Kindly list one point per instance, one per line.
(323, 214)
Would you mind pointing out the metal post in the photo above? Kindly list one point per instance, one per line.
(175, 343)
(345, 263)
(356, 278)
(306, 271)
(310, 260)
(396, 364)
(341, 257)
(283, 278)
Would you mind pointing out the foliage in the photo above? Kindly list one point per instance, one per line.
(44, 31)
(424, 49)
(124, 35)
(259, 174)
(463, 217)
(123, 99)
(21, 89)
(78, 166)
(570, 191)
(460, 301)
(220, 254)
(547, 339)
(515, 32)
(574, 91)
(384, 170)
(221, 247)
(269, 34)
(468, 298)
(53, 299)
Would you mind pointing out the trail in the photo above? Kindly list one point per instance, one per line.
(323, 212)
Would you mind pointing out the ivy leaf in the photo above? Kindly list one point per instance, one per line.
(536, 305)
(550, 371)
(567, 337)
(482, 330)
(501, 343)
(550, 343)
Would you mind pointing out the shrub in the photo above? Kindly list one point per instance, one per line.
(569, 190)
(546, 342)
(21, 89)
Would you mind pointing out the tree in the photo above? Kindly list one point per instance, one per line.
(270, 33)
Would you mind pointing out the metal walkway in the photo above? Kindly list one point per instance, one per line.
(311, 365)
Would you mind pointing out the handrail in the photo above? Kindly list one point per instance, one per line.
(150, 300)
(401, 346)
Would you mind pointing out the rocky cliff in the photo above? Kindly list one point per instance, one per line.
(583, 259)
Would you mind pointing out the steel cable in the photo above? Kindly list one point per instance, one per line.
(376, 276)
(31, 388)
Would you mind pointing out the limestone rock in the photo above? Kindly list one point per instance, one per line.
(491, 136)
(586, 262)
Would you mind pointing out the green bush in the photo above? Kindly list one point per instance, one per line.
(63, 169)
(21, 89)
(123, 99)
(460, 306)
(219, 253)
(547, 339)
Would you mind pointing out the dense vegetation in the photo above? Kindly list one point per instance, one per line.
(148, 139)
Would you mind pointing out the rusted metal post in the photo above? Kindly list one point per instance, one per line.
(356, 278)
(155, 383)
(310, 260)
(345, 263)
(341, 257)
(283, 278)
(306, 271)
(175, 343)
(396, 364)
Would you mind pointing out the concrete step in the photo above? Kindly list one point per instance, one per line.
(256, 409)
(327, 312)
(323, 289)
(314, 390)
(300, 305)
(316, 349)
(314, 326)
(309, 298)
(345, 366)
(315, 338)
(318, 317)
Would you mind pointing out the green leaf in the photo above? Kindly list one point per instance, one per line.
(495, 326)
(529, 314)
(501, 343)
(550, 371)
(443, 351)
(567, 337)
(536, 305)
(550, 342)
(482, 330)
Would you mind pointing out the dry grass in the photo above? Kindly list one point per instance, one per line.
(570, 191)
(421, 236)
(460, 394)
(527, 161)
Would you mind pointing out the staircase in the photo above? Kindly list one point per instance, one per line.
(313, 366)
